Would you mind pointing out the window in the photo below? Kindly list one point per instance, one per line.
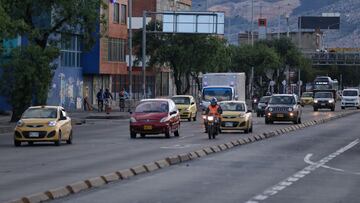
(123, 14)
(70, 51)
(116, 49)
(116, 13)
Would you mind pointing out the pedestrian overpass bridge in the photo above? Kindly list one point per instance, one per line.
(334, 58)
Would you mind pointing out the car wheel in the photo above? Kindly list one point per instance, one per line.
(142, 135)
(17, 143)
(30, 142)
(258, 115)
(315, 109)
(246, 131)
(58, 142)
(267, 121)
(176, 133)
(342, 108)
(358, 107)
(167, 133)
(189, 119)
(299, 122)
(251, 128)
(69, 141)
(132, 134)
(194, 119)
(333, 109)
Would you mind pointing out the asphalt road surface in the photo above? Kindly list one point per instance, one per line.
(101, 147)
(316, 164)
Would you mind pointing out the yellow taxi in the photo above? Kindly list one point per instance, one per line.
(43, 124)
(236, 116)
(186, 105)
(307, 98)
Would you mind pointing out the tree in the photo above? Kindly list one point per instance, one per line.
(186, 54)
(39, 21)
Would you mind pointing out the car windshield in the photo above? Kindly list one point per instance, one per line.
(323, 95)
(264, 99)
(282, 100)
(233, 106)
(307, 94)
(181, 100)
(152, 106)
(350, 93)
(40, 113)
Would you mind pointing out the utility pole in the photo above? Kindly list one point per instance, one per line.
(130, 48)
(252, 22)
(144, 55)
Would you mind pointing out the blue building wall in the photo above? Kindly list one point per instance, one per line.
(90, 60)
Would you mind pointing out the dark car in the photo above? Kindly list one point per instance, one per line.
(283, 107)
(260, 110)
(324, 100)
(155, 116)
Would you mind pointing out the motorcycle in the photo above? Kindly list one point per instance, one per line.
(254, 103)
(212, 125)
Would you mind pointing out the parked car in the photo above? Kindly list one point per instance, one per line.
(155, 116)
(350, 98)
(236, 116)
(307, 98)
(324, 100)
(260, 110)
(43, 124)
(186, 105)
(283, 107)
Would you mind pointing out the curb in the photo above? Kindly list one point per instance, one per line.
(164, 163)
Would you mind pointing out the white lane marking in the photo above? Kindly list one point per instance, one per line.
(180, 146)
(300, 174)
(308, 161)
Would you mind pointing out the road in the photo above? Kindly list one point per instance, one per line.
(101, 147)
(316, 164)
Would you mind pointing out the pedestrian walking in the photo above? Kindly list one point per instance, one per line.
(123, 95)
(107, 98)
(100, 99)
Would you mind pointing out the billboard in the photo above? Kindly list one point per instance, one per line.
(314, 22)
(194, 22)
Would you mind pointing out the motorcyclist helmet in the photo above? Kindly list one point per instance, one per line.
(213, 102)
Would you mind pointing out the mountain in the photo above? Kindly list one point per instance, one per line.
(238, 16)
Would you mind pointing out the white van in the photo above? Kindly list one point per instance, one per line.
(350, 98)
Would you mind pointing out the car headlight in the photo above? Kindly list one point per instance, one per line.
(270, 109)
(242, 115)
(290, 109)
(132, 120)
(165, 119)
(210, 118)
(20, 123)
(331, 101)
(204, 117)
(255, 100)
(315, 101)
(52, 123)
(187, 109)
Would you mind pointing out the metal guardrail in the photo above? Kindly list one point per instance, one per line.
(325, 59)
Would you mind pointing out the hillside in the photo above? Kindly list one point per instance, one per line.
(238, 13)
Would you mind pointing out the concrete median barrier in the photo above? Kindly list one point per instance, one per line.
(184, 157)
(216, 149)
(16, 201)
(193, 155)
(208, 150)
(150, 167)
(58, 192)
(126, 173)
(173, 160)
(137, 170)
(162, 163)
(77, 187)
(95, 182)
(36, 198)
(200, 153)
(229, 145)
(111, 177)
(222, 147)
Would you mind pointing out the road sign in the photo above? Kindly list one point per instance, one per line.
(300, 83)
(283, 82)
(272, 83)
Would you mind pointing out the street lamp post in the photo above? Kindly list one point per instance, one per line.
(130, 48)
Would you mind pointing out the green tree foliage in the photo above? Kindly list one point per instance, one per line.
(40, 21)
(186, 54)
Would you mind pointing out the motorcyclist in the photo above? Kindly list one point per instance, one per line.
(213, 109)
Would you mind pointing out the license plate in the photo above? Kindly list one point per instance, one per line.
(147, 127)
(280, 115)
(34, 134)
(228, 124)
(322, 104)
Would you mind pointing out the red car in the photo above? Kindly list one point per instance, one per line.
(155, 116)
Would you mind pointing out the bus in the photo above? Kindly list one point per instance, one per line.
(326, 84)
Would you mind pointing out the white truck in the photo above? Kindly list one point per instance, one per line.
(222, 86)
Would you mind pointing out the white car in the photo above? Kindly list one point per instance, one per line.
(350, 98)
